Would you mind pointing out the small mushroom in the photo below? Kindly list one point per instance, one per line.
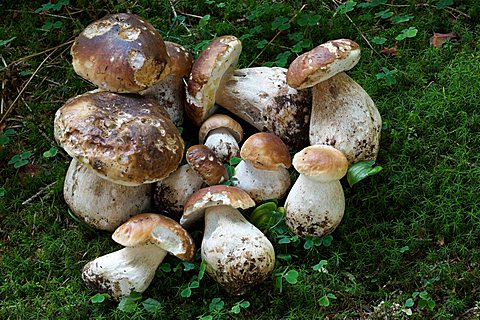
(238, 255)
(147, 239)
(316, 203)
(263, 173)
(170, 92)
(202, 168)
(120, 53)
(222, 135)
(343, 114)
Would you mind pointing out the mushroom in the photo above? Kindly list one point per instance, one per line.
(222, 135)
(237, 254)
(343, 114)
(260, 96)
(263, 173)
(170, 92)
(147, 239)
(202, 168)
(120, 53)
(127, 140)
(316, 203)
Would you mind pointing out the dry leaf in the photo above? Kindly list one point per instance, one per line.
(390, 52)
(440, 38)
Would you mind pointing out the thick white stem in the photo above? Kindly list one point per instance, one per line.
(238, 255)
(314, 208)
(120, 272)
(223, 144)
(260, 184)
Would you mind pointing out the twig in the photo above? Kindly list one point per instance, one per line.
(176, 16)
(36, 195)
(42, 52)
(275, 36)
(363, 36)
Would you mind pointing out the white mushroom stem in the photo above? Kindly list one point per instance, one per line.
(120, 272)
(223, 144)
(261, 184)
(262, 97)
(100, 203)
(345, 117)
(238, 255)
(314, 208)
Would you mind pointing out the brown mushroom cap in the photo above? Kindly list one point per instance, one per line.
(155, 228)
(321, 162)
(219, 195)
(206, 164)
(120, 53)
(207, 72)
(323, 62)
(181, 60)
(218, 121)
(126, 139)
(266, 151)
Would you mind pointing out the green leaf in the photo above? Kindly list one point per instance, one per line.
(308, 244)
(152, 305)
(165, 267)
(20, 163)
(261, 44)
(361, 170)
(234, 161)
(291, 276)
(319, 266)
(204, 21)
(346, 7)
(3, 191)
(409, 303)
(385, 14)
(407, 311)
(53, 6)
(50, 153)
(127, 304)
(216, 304)
(261, 215)
(284, 256)
(201, 272)
(331, 296)
(99, 297)
(4, 139)
(194, 284)
(327, 240)
(404, 249)
(324, 301)
(284, 240)
(235, 309)
(188, 266)
(308, 19)
(186, 293)
(371, 4)
(379, 40)
(407, 33)
(431, 304)
(280, 23)
(279, 284)
(400, 19)
(4, 42)
(442, 4)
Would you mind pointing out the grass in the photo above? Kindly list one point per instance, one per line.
(409, 236)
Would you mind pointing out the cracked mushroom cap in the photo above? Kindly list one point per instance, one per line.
(323, 62)
(126, 139)
(120, 53)
(265, 151)
(206, 164)
(211, 66)
(219, 195)
(218, 121)
(321, 163)
(155, 228)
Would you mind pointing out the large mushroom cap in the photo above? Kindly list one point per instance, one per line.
(207, 71)
(323, 62)
(120, 53)
(218, 121)
(206, 164)
(155, 228)
(219, 195)
(265, 151)
(321, 162)
(126, 139)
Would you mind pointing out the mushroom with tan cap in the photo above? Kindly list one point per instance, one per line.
(120, 53)
(221, 134)
(263, 173)
(343, 114)
(238, 255)
(202, 168)
(316, 203)
(147, 239)
(170, 92)
(127, 140)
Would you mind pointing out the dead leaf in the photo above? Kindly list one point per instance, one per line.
(440, 38)
(390, 52)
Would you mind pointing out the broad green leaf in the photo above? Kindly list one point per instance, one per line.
(346, 7)
(152, 305)
(50, 153)
(361, 170)
(400, 19)
(409, 303)
(204, 20)
(319, 266)
(20, 163)
(308, 244)
(261, 215)
(279, 284)
(4, 42)
(187, 266)
(99, 297)
(194, 284)
(385, 14)
(291, 276)
(442, 4)
(234, 161)
(187, 292)
(127, 304)
(284, 240)
(379, 40)
(165, 267)
(324, 301)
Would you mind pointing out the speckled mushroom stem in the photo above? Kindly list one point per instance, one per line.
(238, 255)
(223, 144)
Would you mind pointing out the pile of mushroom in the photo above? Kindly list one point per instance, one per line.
(127, 149)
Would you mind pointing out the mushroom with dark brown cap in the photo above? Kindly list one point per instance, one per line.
(127, 140)
(316, 203)
(238, 255)
(221, 134)
(147, 239)
(263, 173)
(343, 114)
(202, 167)
(120, 53)
(170, 92)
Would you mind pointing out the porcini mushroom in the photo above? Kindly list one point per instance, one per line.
(221, 134)
(263, 173)
(120, 53)
(343, 114)
(237, 254)
(147, 239)
(316, 203)
(170, 92)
